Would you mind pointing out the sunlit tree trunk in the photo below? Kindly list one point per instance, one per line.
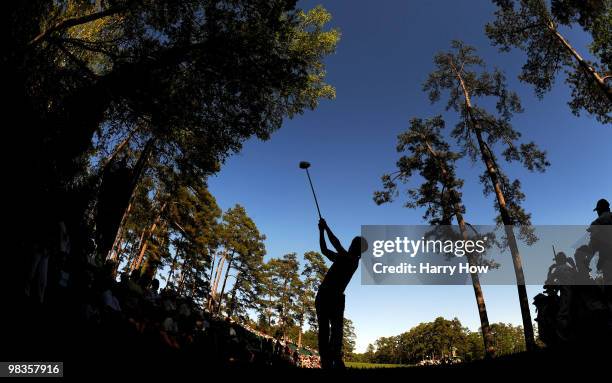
(227, 273)
(216, 284)
(582, 63)
(299, 342)
(133, 256)
(145, 243)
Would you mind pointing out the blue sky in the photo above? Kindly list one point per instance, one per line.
(384, 56)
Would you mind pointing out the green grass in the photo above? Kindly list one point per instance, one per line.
(373, 365)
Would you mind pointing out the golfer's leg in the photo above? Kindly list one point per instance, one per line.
(337, 328)
(323, 336)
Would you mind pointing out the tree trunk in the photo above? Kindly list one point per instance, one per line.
(588, 69)
(143, 245)
(283, 315)
(119, 148)
(172, 268)
(120, 256)
(115, 256)
(152, 262)
(480, 301)
(229, 268)
(269, 310)
(514, 251)
(487, 336)
(232, 306)
(210, 281)
(112, 254)
(216, 284)
(133, 258)
(181, 282)
(137, 173)
(143, 248)
(493, 173)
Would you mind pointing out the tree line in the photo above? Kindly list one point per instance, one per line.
(441, 339)
(216, 258)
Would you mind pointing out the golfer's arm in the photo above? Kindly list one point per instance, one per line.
(326, 252)
(335, 242)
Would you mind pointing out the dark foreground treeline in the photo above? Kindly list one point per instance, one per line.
(125, 108)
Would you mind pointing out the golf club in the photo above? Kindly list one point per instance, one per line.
(305, 165)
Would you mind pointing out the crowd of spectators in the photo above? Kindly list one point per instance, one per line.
(134, 316)
(439, 362)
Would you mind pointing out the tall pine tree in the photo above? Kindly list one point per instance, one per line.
(533, 27)
(428, 155)
(480, 132)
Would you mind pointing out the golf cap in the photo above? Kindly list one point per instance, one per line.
(602, 204)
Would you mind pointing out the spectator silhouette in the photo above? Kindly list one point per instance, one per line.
(600, 239)
(601, 243)
(330, 297)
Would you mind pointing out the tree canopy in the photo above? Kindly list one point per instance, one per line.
(181, 85)
(463, 75)
(534, 27)
(441, 339)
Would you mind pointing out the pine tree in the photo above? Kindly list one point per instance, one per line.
(428, 155)
(183, 84)
(462, 74)
(243, 247)
(193, 216)
(284, 276)
(531, 26)
(348, 339)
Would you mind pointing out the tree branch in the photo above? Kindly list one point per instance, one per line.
(84, 45)
(78, 62)
(73, 21)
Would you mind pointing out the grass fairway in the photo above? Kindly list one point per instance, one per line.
(373, 365)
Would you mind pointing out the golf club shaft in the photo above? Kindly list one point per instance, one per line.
(313, 193)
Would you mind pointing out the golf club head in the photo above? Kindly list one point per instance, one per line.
(304, 165)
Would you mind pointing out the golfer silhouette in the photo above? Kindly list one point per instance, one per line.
(329, 302)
